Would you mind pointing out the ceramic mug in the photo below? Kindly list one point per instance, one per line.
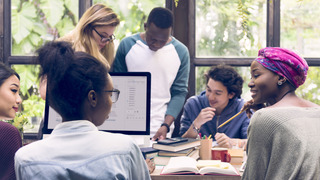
(220, 154)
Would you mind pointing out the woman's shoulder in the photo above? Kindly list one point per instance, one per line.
(116, 137)
(68, 37)
(6, 127)
(283, 114)
(294, 101)
(287, 109)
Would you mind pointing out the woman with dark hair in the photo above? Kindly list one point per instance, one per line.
(220, 101)
(10, 139)
(80, 89)
(283, 137)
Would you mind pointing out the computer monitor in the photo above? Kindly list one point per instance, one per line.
(129, 115)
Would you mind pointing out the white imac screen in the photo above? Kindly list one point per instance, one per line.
(128, 113)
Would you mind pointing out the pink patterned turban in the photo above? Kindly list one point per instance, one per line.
(284, 62)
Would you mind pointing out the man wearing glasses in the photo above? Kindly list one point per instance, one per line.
(167, 59)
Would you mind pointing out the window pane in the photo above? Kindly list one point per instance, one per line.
(310, 90)
(32, 108)
(133, 14)
(219, 30)
(300, 26)
(34, 22)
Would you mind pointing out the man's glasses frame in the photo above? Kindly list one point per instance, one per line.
(105, 39)
(115, 95)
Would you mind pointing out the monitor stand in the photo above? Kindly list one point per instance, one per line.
(141, 140)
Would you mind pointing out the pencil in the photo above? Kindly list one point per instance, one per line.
(231, 118)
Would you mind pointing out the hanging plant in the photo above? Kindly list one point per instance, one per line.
(176, 3)
(244, 16)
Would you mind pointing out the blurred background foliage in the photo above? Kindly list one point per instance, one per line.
(132, 14)
(224, 28)
(34, 22)
(230, 27)
(237, 28)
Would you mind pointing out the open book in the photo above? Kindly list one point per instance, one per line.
(187, 165)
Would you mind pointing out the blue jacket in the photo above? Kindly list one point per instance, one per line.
(237, 128)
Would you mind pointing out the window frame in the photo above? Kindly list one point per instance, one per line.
(188, 8)
(183, 30)
(5, 34)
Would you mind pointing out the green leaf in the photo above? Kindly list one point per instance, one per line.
(27, 77)
(34, 39)
(73, 7)
(53, 10)
(39, 28)
(23, 48)
(64, 26)
(27, 47)
(22, 22)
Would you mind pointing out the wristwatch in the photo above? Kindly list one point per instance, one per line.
(197, 130)
(166, 125)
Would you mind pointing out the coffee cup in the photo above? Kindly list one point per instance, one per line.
(220, 154)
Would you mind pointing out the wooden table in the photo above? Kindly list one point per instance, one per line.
(156, 176)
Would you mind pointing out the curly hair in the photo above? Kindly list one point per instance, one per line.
(228, 76)
(161, 17)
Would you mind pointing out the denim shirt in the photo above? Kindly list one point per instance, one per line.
(77, 150)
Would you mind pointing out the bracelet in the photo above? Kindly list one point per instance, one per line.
(197, 130)
(166, 125)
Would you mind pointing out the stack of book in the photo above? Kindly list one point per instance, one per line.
(149, 152)
(189, 148)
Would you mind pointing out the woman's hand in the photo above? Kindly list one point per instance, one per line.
(151, 165)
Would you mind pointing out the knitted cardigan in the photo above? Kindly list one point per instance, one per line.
(283, 143)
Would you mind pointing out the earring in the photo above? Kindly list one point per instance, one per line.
(279, 83)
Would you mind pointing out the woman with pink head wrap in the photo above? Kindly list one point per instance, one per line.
(283, 136)
(285, 63)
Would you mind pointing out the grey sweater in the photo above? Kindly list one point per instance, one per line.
(284, 143)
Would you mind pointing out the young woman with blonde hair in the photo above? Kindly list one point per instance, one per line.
(94, 33)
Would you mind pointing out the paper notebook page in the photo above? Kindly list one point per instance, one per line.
(214, 144)
(225, 168)
(206, 163)
(180, 164)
